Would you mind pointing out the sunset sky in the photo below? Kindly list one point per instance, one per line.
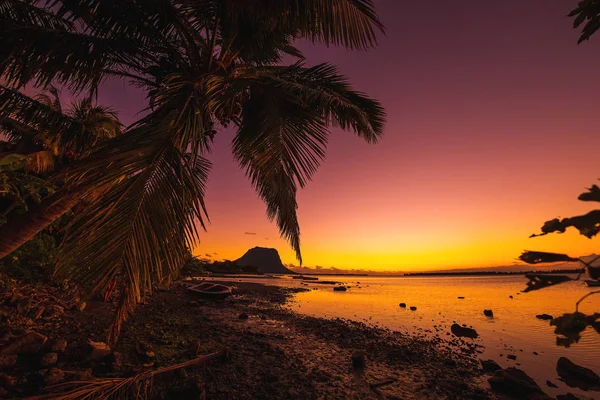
(492, 129)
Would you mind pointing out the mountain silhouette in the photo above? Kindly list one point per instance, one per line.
(265, 260)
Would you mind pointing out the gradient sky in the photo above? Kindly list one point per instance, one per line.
(492, 129)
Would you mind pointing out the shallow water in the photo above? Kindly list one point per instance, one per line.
(513, 330)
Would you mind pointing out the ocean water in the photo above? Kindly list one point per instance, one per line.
(513, 330)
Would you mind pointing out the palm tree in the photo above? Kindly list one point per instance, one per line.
(42, 152)
(204, 64)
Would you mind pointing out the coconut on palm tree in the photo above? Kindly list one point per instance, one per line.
(37, 153)
(204, 64)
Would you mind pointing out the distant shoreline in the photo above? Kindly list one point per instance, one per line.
(417, 274)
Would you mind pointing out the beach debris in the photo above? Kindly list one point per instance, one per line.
(359, 359)
(403, 305)
(488, 313)
(29, 343)
(461, 331)
(511, 357)
(577, 376)
(413, 308)
(340, 289)
(545, 317)
(551, 384)
(97, 350)
(243, 316)
(123, 387)
(515, 382)
(490, 366)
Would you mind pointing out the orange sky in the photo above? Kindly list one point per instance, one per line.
(492, 129)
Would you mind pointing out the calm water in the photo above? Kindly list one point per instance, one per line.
(513, 330)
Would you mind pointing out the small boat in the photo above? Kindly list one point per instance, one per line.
(209, 290)
(593, 283)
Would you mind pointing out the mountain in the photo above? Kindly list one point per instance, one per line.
(265, 260)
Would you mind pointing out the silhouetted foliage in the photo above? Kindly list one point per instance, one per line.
(203, 65)
(570, 325)
(587, 13)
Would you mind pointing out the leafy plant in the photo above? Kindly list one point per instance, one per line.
(569, 325)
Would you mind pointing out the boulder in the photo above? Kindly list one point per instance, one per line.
(403, 305)
(514, 382)
(58, 345)
(53, 376)
(243, 316)
(461, 331)
(359, 359)
(115, 362)
(577, 376)
(339, 289)
(7, 381)
(461, 297)
(413, 308)
(7, 362)
(97, 350)
(488, 313)
(551, 384)
(511, 357)
(29, 343)
(490, 366)
(49, 359)
(545, 317)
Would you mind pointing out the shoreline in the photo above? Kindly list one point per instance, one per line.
(274, 352)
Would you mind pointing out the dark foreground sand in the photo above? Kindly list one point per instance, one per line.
(274, 353)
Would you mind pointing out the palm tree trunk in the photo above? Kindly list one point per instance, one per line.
(20, 229)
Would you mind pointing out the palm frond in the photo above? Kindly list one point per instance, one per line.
(43, 56)
(142, 227)
(326, 91)
(137, 386)
(538, 257)
(350, 23)
(26, 13)
(587, 13)
(40, 162)
(280, 144)
(20, 109)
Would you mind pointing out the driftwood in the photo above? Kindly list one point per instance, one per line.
(377, 385)
(136, 387)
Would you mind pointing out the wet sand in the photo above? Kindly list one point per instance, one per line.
(274, 353)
